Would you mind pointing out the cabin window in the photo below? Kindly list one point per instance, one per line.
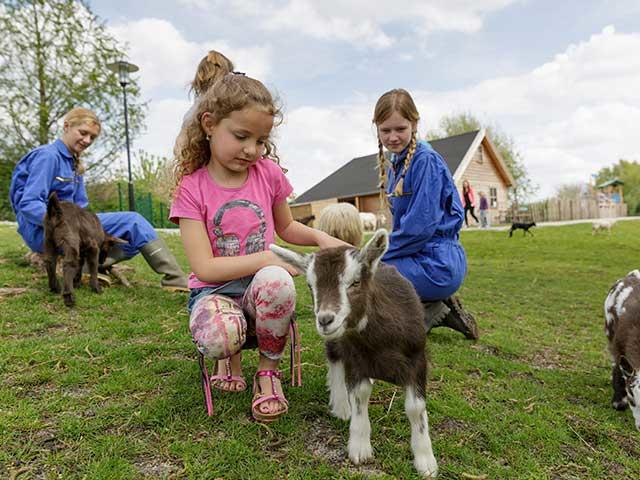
(493, 197)
(480, 156)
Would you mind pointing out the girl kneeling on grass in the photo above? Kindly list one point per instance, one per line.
(230, 198)
(427, 214)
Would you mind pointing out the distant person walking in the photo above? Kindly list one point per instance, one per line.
(484, 211)
(468, 202)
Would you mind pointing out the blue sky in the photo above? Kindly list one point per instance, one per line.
(560, 78)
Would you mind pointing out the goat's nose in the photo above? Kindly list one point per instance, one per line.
(325, 319)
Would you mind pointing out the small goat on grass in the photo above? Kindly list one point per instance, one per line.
(373, 324)
(622, 326)
(602, 225)
(79, 236)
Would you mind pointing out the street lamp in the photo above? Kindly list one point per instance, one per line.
(123, 69)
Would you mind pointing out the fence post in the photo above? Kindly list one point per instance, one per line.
(150, 200)
(161, 215)
(119, 197)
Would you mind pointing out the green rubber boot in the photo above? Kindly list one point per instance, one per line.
(162, 261)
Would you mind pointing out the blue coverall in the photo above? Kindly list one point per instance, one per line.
(51, 168)
(427, 218)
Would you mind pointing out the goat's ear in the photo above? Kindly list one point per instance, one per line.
(374, 249)
(625, 367)
(299, 262)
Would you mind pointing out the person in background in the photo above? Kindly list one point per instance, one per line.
(484, 211)
(468, 201)
(213, 66)
(58, 167)
(427, 214)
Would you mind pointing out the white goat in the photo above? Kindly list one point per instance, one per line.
(369, 221)
(603, 225)
(372, 322)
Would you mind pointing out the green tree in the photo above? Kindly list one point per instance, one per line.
(570, 191)
(629, 172)
(466, 122)
(53, 57)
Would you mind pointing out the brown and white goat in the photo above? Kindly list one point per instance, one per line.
(78, 235)
(622, 326)
(373, 324)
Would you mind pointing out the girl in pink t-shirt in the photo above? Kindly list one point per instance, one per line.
(230, 200)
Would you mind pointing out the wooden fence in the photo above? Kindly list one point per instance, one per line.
(560, 209)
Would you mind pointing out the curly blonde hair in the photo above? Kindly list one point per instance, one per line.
(213, 66)
(231, 93)
(396, 100)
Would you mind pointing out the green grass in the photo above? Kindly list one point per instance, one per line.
(110, 389)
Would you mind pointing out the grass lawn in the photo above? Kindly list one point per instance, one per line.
(110, 389)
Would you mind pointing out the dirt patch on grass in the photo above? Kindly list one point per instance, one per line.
(546, 359)
(327, 445)
(154, 467)
(450, 425)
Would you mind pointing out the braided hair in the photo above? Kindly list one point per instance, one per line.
(396, 100)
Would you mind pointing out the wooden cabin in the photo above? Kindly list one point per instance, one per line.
(470, 156)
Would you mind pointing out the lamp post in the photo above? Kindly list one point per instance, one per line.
(123, 69)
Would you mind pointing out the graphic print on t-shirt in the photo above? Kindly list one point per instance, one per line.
(228, 243)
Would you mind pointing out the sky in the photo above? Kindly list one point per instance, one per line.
(561, 79)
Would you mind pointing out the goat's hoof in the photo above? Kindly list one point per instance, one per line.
(426, 466)
(620, 404)
(97, 289)
(69, 299)
(360, 452)
(55, 289)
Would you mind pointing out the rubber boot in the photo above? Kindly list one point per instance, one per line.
(459, 319)
(450, 313)
(434, 313)
(162, 261)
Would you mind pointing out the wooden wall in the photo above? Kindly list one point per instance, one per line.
(482, 174)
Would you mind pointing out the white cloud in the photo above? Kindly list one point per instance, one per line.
(164, 119)
(569, 117)
(365, 23)
(167, 59)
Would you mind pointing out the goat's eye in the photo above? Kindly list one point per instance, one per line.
(355, 284)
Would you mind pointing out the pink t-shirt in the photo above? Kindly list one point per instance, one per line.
(239, 221)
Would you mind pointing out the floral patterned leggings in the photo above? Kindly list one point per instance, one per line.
(219, 324)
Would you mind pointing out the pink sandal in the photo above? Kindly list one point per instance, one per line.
(259, 398)
(228, 378)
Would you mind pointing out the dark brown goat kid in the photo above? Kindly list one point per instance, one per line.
(79, 236)
(372, 322)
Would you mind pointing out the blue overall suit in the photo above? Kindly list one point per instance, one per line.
(427, 218)
(51, 168)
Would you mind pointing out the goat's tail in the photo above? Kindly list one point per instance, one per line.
(53, 206)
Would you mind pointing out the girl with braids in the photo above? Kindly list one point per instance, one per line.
(427, 213)
(230, 200)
